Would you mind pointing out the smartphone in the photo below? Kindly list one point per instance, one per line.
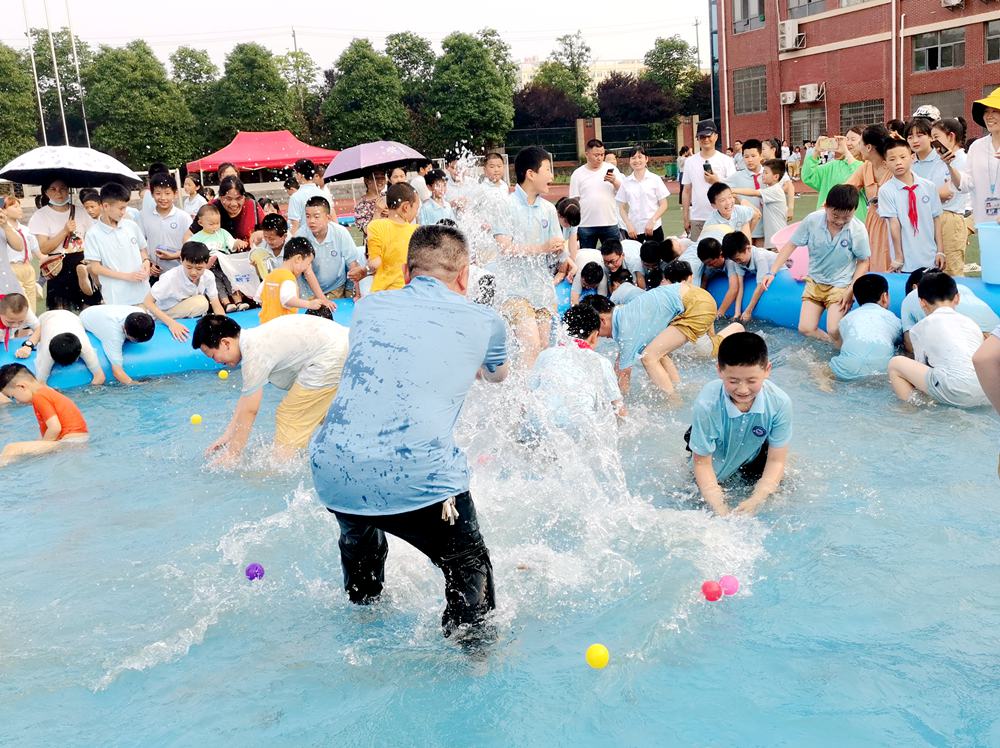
(611, 171)
(826, 144)
(940, 147)
(708, 168)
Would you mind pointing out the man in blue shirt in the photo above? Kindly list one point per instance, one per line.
(385, 459)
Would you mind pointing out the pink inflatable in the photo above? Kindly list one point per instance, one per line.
(800, 257)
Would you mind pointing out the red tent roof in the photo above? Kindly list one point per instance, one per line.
(263, 150)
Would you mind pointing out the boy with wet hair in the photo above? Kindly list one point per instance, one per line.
(869, 335)
(113, 325)
(613, 255)
(592, 278)
(736, 248)
(741, 425)
(677, 271)
(944, 343)
(622, 288)
(728, 210)
(838, 255)
(61, 339)
(59, 420)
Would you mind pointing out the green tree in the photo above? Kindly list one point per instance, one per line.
(19, 114)
(699, 97)
(137, 129)
(500, 54)
(568, 69)
(195, 75)
(555, 75)
(251, 95)
(413, 57)
(468, 98)
(302, 74)
(365, 102)
(672, 64)
(71, 92)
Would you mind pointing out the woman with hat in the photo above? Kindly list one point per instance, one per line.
(980, 176)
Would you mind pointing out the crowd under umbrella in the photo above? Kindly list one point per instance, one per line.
(77, 167)
(360, 160)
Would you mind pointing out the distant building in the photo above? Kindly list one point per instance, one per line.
(823, 66)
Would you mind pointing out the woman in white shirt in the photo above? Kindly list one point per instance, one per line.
(59, 226)
(980, 177)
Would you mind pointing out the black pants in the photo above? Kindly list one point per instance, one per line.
(63, 291)
(748, 471)
(656, 236)
(458, 550)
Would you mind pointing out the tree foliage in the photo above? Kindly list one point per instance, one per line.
(672, 64)
(413, 57)
(500, 54)
(699, 97)
(365, 102)
(536, 105)
(71, 93)
(154, 126)
(19, 114)
(251, 95)
(195, 75)
(622, 99)
(568, 69)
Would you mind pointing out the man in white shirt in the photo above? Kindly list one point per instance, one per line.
(702, 170)
(643, 199)
(596, 183)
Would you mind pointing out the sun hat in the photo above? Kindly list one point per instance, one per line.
(927, 111)
(979, 107)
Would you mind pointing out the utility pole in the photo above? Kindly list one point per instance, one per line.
(79, 83)
(34, 71)
(298, 83)
(697, 42)
(55, 70)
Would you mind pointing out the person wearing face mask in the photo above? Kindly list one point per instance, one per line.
(59, 226)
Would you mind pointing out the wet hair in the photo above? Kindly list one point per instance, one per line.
(274, 222)
(868, 289)
(113, 192)
(139, 327)
(162, 180)
(447, 222)
(751, 144)
(680, 270)
(581, 321)
(10, 372)
(743, 349)
(305, 167)
(195, 252)
(621, 275)
(434, 176)
(569, 208)
(654, 278)
(89, 196)
(323, 311)
(232, 183)
(594, 143)
(842, 197)
(936, 287)
(635, 151)
(298, 246)
(715, 190)
(876, 136)
(207, 209)
(211, 329)
(918, 126)
(592, 274)
(14, 303)
(318, 201)
(529, 159)
(651, 252)
(612, 247)
(914, 279)
(223, 167)
(954, 126)
(437, 249)
(597, 302)
(493, 156)
(709, 249)
(400, 193)
(291, 184)
(65, 348)
(777, 167)
(734, 244)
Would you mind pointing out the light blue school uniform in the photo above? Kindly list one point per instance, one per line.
(118, 248)
(960, 201)
(870, 334)
(761, 263)
(743, 180)
(387, 445)
(297, 202)
(634, 325)
(740, 217)
(701, 272)
(107, 323)
(333, 257)
(932, 168)
(528, 276)
(430, 212)
(625, 293)
(568, 231)
(919, 247)
(969, 305)
(733, 438)
(832, 259)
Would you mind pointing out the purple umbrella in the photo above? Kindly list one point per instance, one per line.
(359, 160)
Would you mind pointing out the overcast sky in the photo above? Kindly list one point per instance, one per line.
(529, 26)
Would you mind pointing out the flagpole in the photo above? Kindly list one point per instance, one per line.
(79, 83)
(34, 71)
(55, 70)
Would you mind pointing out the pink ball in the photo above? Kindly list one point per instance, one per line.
(711, 590)
(484, 459)
(730, 585)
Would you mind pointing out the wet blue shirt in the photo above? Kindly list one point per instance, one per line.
(430, 212)
(732, 438)
(634, 325)
(832, 259)
(333, 257)
(871, 334)
(969, 305)
(919, 245)
(387, 445)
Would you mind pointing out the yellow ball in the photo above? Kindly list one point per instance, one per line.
(597, 656)
(195, 419)
(223, 374)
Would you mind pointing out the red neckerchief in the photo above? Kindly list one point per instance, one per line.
(25, 241)
(912, 213)
(583, 344)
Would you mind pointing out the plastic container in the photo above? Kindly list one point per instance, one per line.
(989, 251)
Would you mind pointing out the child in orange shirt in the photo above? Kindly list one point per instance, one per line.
(279, 293)
(389, 238)
(59, 420)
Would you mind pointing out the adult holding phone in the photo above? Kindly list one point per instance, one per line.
(596, 184)
(847, 158)
(702, 170)
(948, 139)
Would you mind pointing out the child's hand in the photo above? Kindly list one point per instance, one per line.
(939, 260)
(138, 276)
(766, 281)
(179, 332)
(22, 352)
(239, 245)
(315, 304)
(356, 274)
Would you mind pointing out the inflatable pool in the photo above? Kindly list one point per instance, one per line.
(163, 355)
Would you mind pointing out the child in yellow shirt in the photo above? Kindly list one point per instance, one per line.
(279, 293)
(389, 238)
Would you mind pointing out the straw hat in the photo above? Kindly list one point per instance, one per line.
(979, 107)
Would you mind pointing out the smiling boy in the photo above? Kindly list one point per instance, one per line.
(185, 291)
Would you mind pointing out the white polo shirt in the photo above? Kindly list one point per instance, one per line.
(643, 198)
(118, 248)
(174, 286)
(597, 197)
(57, 322)
(694, 176)
(164, 232)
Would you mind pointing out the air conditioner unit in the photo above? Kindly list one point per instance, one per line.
(789, 37)
(952, 3)
(812, 92)
(788, 97)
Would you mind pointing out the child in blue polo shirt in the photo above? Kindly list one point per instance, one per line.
(739, 216)
(435, 208)
(868, 335)
(741, 424)
(912, 208)
(969, 305)
(115, 250)
(736, 248)
(838, 255)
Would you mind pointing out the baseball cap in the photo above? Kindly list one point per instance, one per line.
(928, 111)
(706, 127)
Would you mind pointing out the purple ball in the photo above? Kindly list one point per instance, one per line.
(255, 571)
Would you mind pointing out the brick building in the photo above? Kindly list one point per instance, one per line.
(796, 69)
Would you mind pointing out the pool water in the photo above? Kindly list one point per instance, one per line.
(868, 612)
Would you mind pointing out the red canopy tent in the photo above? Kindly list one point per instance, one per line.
(263, 150)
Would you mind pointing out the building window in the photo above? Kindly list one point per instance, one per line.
(862, 114)
(750, 90)
(807, 124)
(993, 41)
(949, 103)
(747, 15)
(803, 8)
(938, 50)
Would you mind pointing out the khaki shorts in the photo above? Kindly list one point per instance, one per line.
(300, 413)
(191, 307)
(823, 294)
(518, 311)
(27, 276)
(954, 238)
(698, 317)
(337, 293)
